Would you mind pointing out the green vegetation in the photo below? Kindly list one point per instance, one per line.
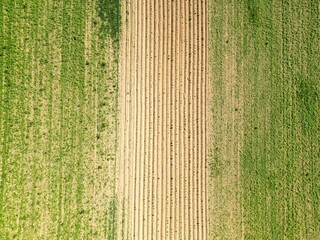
(111, 228)
(58, 92)
(109, 12)
(276, 47)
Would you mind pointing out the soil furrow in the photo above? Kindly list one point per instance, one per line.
(168, 124)
(166, 158)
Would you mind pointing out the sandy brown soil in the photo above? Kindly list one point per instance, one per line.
(163, 105)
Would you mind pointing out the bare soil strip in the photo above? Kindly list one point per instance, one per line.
(162, 168)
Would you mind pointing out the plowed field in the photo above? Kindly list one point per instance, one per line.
(163, 92)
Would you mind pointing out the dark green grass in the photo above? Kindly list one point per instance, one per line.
(109, 12)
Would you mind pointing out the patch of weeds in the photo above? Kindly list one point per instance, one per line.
(109, 12)
(253, 11)
(102, 127)
(111, 224)
(308, 99)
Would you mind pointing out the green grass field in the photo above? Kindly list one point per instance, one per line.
(265, 157)
(58, 119)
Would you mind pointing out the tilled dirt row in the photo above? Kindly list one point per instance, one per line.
(163, 108)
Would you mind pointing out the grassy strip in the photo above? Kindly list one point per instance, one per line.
(109, 13)
(6, 91)
(72, 129)
(44, 120)
(275, 139)
(2, 138)
(277, 45)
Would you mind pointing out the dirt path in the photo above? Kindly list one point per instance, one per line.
(162, 168)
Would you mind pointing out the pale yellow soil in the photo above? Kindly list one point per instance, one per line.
(163, 107)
